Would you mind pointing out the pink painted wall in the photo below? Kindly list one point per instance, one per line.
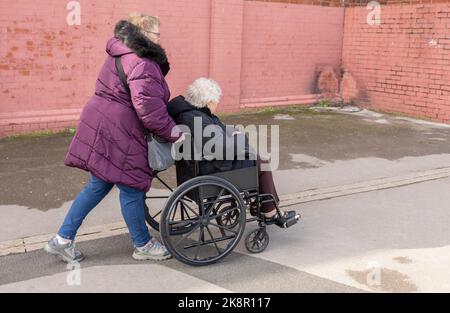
(48, 68)
(403, 64)
(226, 50)
(285, 44)
(261, 53)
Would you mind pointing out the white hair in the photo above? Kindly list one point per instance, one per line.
(203, 91)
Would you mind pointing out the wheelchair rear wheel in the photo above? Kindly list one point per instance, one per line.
(212, 224)
(153, 215)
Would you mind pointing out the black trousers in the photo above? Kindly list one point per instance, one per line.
(266, 185)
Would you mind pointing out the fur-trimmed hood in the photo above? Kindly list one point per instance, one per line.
(131, 36)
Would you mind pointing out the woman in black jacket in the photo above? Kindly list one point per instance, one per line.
(199, 103)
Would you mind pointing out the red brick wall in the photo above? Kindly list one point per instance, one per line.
(261, 52)
(309, 2)
(352, 3)
(402, 65)
(284, 47)
(226, 50)
(48, 68)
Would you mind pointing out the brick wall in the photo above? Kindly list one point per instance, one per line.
(261, 52)
(309, 2)
(403, 64)
(353, 3)
(350, 3)
(284, 47)
(226, 50)
(48, 68)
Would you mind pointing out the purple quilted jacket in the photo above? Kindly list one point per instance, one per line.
(109, 141)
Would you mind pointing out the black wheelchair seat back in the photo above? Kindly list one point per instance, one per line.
(244, 179)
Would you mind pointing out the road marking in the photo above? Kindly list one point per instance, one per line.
(32, 243)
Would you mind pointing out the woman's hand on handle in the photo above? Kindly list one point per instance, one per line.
(181, 139)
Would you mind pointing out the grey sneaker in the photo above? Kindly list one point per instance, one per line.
(153, 250)
(67, 251)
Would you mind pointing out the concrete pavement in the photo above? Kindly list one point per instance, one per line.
(392, 240)
(372, 190)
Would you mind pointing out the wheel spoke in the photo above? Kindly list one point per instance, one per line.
(198, 242)
(182, 222)
(224, 228)
(261, 236)
(187, 199)
(153, 217)
(185, 236)
(213, 239)
(190, 209)
(224, 212)
(184, 210)
(217, 198)
(200, 200)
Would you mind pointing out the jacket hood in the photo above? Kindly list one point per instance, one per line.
(133, 40)
(116, 48)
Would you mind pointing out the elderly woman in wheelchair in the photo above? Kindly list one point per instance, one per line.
(205, 216)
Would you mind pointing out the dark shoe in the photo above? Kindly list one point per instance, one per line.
(288, 219)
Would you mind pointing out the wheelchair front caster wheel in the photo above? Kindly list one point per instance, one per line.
(257, 240)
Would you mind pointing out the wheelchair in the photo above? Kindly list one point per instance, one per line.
(204, 218)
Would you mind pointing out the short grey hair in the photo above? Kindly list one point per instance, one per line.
(203, 91)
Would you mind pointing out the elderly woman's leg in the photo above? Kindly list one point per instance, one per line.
(266, 185)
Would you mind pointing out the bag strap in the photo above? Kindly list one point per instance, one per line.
(122, 76)
(123, 79)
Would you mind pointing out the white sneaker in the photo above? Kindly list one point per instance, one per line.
(65, 251)
(153, 250)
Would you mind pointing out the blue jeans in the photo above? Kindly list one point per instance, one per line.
(131, 202)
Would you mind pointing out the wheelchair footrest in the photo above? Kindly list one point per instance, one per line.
(291, 220)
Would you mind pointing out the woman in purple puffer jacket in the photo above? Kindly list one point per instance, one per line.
(110, 143)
